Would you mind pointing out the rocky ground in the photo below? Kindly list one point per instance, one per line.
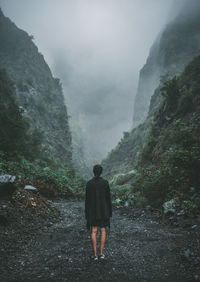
(140, 247)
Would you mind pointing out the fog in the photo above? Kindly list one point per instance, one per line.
(96, 48)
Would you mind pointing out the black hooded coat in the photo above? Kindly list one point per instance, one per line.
(98, 205)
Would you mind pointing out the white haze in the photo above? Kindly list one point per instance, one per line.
(96, 48)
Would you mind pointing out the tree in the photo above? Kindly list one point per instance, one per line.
(15, 135)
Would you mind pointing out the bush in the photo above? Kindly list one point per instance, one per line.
(54, 180)
(171, 92)
(137, 200)
(177, 171)
(154, 184)
(15, 134)
(121, 190)
(189, 207)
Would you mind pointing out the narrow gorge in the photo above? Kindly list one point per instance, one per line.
(45, 159)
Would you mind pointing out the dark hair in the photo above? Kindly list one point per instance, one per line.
(97, 169)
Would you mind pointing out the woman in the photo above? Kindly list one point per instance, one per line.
(98, 209)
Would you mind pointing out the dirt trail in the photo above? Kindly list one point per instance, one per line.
(137, 249)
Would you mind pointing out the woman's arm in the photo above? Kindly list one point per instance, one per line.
(86, 201)
(109, 200)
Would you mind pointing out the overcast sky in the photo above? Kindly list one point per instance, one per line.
(96, 48)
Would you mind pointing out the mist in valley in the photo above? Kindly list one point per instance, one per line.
(96, 48)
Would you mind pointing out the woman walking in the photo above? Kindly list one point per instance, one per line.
(98, 209)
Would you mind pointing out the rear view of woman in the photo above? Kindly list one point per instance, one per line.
(98, 209)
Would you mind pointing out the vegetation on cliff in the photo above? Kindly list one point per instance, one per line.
(169, 161)
(39, 94)
(22, 153)
(35, 139)
(15, 135)
(176, 45)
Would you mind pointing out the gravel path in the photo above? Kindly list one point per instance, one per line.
(137, 249)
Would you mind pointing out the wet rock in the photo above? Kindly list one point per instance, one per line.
(30, 188)
(192, 190)
(182, 212)
(117, 200)
(187, 253)
(149, 208)
(197, 277)
(7, 178)
(126, 204)
(170, 206)
(22, 262)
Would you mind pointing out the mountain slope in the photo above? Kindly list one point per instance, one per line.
(175, 46)
(173, 49)
(39, 94)
(170, 159)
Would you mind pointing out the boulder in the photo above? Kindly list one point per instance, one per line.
(31, 188)
(149, 208)
(7, 185)
(5, 178)
(126, 204)
(181, 212)
(187, 253)
(170, 206)
(117, 201)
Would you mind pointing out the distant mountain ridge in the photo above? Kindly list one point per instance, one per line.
(173, 49)
(39, 94)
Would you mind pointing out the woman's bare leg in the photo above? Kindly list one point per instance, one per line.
(94, 239)
(103, 239)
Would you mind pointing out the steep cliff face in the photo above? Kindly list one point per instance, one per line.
(175, 46)
(170, 158)
(173, 49)
(168, 162)
(124, 157)
(39, 94)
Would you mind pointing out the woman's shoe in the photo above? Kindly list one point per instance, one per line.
(102, 256)
(95, 258)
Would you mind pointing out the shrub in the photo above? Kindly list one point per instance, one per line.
(189, 207)
(121, 190)
(137, 200)
(54, 180)
(15, 134)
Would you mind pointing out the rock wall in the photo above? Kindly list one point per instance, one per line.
(173, 49)
(39, 94)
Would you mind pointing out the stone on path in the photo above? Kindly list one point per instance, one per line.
(30, 188)
(170, 206)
